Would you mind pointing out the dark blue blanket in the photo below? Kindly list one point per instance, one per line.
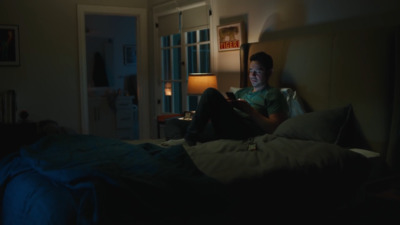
(94, 180)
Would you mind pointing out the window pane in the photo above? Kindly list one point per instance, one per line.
(166, 62)
(191, 37)
(176, 63)
(197, 59)
(166, 87)
(176, 39)
(204, 35)
(165, 41)
(167, 103)
(192, 102)
(191, 59)
(177, 95)
(205, 58)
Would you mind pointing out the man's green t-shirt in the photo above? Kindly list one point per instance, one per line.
(267, 101)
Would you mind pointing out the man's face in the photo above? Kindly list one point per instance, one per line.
(257, 74)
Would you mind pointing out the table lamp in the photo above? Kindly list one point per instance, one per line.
(168, 89)
(199, 82)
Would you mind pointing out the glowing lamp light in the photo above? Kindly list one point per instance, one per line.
(168, 89)
(199, 82)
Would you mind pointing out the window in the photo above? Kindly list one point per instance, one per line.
(184, 48)
(198, 58)
(171, 73)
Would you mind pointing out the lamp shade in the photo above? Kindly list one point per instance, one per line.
(199, 82)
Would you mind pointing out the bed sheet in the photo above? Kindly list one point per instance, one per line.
(83, 179)
(230, 161)
(288, 174)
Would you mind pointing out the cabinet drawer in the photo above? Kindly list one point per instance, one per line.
(125, 118)
(124, 102)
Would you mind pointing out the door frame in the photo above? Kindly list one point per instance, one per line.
(142, 62)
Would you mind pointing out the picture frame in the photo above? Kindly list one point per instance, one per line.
(9, 45)
(129, 54)
(231, 36)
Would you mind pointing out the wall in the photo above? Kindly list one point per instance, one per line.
(47, 81)
(261, 17)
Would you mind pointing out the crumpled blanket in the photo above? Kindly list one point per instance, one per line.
(102, 181)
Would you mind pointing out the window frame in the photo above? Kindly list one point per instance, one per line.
(184, 69)
(170, 79)
(198, 43)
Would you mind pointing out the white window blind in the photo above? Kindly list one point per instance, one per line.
(195, 17)
(168, 24)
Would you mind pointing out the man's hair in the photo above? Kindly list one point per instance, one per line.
(264, 59)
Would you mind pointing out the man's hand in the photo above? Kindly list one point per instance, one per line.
(243, 105)
(269, 124)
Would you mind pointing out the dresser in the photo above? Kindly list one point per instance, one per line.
(101, 116)
(126, 118)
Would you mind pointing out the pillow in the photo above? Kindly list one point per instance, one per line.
(234, 89)
(294, 103)
(324, 126)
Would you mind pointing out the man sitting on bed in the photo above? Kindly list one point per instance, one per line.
(259, 109)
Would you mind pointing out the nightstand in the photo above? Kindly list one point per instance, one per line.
(161, 119)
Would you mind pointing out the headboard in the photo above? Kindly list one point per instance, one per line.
(332, 66)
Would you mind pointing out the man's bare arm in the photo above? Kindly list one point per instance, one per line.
(268, 124)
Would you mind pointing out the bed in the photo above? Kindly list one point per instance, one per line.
(306, 171)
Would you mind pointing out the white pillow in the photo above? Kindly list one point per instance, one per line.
(293, 101)
(234, 89)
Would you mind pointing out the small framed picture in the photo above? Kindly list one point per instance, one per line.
(9, 45)
(129, 54)
(231, 36)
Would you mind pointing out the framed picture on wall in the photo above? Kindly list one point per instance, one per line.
(231, 36)
(129, 54)
(9, 45)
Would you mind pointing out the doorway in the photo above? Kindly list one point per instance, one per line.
(112, 66)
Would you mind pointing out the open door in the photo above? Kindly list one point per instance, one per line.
(112, 50)
(111, 64)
